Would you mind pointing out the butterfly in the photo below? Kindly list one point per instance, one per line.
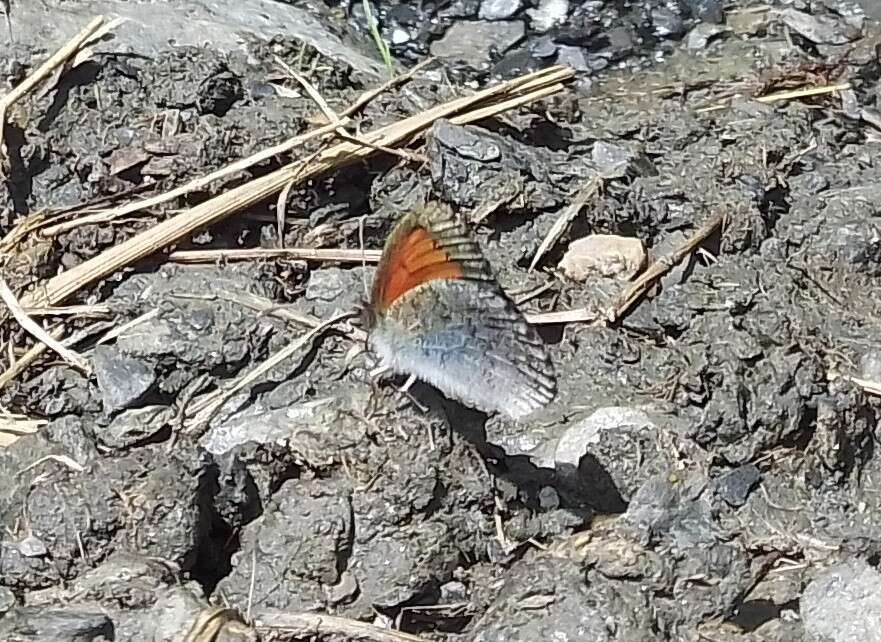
(436, 312)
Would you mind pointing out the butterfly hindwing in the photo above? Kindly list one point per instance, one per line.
(470, 342)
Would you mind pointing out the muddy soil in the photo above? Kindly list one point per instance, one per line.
(707, 470)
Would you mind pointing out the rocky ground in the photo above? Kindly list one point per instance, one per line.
(708, 470)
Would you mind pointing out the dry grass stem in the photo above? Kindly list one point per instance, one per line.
(370, 94)
(521, 99)
(314, 94)
(205, 409)
(324, 625)
(791, 94)
(33, 328)
(581, 315)
(64, 460)
(128, 325)
(334, 255)
(33, 353)
(501, 97)
(192, 186)
(523, 297)
(661, 266)
(236, 167)
(869, 386)
(566, 217)
(802, 93)
(258, 303)
(483, 211)
(45, 70)
(98, 310)
(331, 116)
(13, 427)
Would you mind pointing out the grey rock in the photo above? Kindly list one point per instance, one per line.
(331, 291)
(871, 8)
(121, 572)
(843, 604)
(139, 595)
(133, 426)
(855, 241)
(459, 9)
(597, 62)
(616, 161)
(600, 458)
(621, 42)
(122, 380)
(394, 570)
(466, 142)
(700, 36)
(223, 23)
(400, 36)
(850, 104)
(63, 391)
(473, 43)
(499, 9)
(671, 506)
(462, 173)
(544, 599)
(666, 23)
(542, 48)
(548, 14)
(72, 624)
(344, 590)
(310, 429)
(453, 592)
(707, 10)
(193, 330)
(7, 600)
(573, 57)
(180, 609)
(870, 365)
(734, 487)
(821, 29)
(311, 517)
(32, 546)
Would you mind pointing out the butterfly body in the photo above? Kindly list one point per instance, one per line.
(437, 312)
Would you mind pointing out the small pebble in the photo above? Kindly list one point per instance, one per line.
(666, 24)
(734, 487)
(400, 36)
(605, 255)
(122, 380)
(572, 57)
(32, 546)
(843, 604)
(473, 42)
(699, 37)
(499, 9)
(548, 14)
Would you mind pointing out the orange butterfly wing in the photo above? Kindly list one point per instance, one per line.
(413, 261)
(426, 244)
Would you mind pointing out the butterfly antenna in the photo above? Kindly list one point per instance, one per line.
(363, 256)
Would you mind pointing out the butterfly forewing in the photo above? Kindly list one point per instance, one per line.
(427, 244)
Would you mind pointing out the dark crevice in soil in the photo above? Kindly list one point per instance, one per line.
(754, 613)
(81, 76)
